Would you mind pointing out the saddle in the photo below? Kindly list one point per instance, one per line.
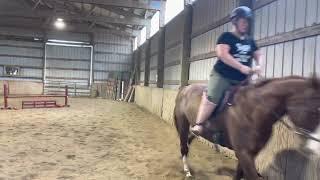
(226, 101)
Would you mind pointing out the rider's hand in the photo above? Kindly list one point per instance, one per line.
(246, 70)
(257, 70)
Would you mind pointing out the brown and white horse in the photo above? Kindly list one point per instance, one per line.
(247, 124)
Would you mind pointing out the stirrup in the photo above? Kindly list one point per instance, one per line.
(198, 133)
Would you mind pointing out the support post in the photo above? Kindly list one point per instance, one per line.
(147, 63)
(66, 96)
(138, 55)
(162, 13)
(5, 95)
(44, 60)
(186, 44)
(148, 29)
(161, 51)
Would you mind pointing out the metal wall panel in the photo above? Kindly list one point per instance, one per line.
(142, 65)
(21, 32)
(311, 12)
(28, 72)
(112, 53)
(257, 23)
(52, 63)
(113, 48)
(24, 54)
(112, 67)
(278, 60)
(154, 43)
(105, 37)
(270, 61)
(281, 16)
(297, 57)
(68, 52)
(68, 36)
(287, 61)
(206, 12)
(174, 31)
(18, 51)
(172, 73)
(309, 56)
(21, 43)
(67, 66)
(318, 13)
(206, 42)
(290, 13)
(174, 54)
(113, 58)
(317, 56)
(154, 61)
(20, 61)
(264, 22)
(300, 14)
(66, 74)
(272, 19)
(153, 75)
(141, 76)
(264, 59)
(200, 70)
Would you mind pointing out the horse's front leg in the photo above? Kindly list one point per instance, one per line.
(246, 160)
(239, 173)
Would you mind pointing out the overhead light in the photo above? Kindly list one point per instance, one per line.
(60, 24)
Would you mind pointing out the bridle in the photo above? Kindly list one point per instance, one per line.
(296, 130)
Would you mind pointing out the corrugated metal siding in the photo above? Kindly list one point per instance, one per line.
(172, 73)
(174, 31)
(173, 49)
(153, 75)
(68, 66)
(206, 12)
(173, 54)
(68, 36)
(294, 57)
(154, 61)
(112, 54)
(201, 69)
(206, 42)
(154, 43)
(26, 55)
(21, 32)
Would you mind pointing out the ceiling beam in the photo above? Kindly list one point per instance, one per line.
(119, 11)
(75, 27)
(102, 19)
(118, 3)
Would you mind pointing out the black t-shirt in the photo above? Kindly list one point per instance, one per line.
(241, 50)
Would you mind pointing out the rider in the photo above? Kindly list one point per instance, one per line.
(235, 51)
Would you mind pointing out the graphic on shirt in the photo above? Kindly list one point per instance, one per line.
(242, 52)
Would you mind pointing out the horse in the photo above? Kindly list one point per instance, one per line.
(246, 125)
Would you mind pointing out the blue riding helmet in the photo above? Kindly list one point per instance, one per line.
(241, 12)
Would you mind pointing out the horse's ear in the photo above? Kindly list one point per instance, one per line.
(315, 81)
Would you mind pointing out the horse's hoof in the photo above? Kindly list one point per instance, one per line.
(188, 174)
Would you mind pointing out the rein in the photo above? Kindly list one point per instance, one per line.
(296, 130)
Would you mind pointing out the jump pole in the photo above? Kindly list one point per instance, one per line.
(6, 96)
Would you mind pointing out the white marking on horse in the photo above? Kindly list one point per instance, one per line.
(312, 145)
(186, 166)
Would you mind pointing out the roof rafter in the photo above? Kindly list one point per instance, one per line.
(119, 3)
(102, 19)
